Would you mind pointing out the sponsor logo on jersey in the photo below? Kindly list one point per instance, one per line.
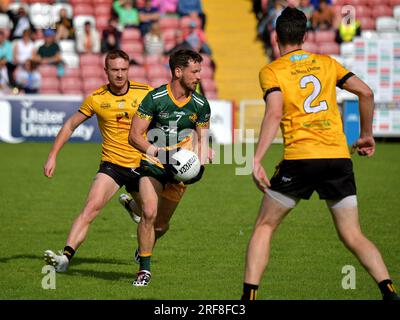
(105, 105)
(299, 57)
(163, 115)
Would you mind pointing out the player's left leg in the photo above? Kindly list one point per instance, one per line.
(271, 214)
(150, 190)
(345, 217)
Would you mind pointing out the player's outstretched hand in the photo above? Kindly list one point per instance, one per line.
(365, 146)
(260, 177)
(198, 177)
(49, 167)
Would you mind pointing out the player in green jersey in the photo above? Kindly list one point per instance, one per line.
(172, 116)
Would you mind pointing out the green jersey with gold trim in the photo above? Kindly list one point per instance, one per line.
(173, 122)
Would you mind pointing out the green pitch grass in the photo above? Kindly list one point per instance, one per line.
(202, 255)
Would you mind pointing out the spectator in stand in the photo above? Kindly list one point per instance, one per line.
(315, 3)
(23, 48)
(181, 43)
(348, 28)
(165, 6)
(193, 9)
(5, 86)
(88, 39)
(111, 36)
(324, 17)
(6, 60)
(64, 26)
(49, 52)
(308, 9)
(197, 39)
(28, 78)
(147, 15)
(128, 15)
(21, 22)
(153, 42)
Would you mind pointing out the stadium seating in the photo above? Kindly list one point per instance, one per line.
(84, 72)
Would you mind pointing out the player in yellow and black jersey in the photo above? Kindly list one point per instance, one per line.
(299, 89)
(114, 105)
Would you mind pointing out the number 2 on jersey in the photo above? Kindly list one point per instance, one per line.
(322, 106)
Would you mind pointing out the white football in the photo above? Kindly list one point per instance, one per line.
(187, 166)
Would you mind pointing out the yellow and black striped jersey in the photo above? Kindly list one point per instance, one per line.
(311, 123)
(114, 115)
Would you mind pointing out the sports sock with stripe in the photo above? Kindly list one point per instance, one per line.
(249, 291)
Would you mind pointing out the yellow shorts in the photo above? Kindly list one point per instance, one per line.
(174, 191)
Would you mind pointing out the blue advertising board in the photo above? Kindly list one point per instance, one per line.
(39, 118)
(351, 121)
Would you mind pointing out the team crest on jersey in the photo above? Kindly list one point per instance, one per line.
(193, 117)
(105, 105)
(121, 103)
(134, 104)
(163, 115)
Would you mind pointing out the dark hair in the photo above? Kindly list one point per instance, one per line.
(291, 26)
(114, 54)
(181, 58)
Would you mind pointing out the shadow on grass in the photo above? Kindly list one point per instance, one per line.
(105, 275)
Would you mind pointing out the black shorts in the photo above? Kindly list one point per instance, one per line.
(333, 179)
(128, 177)
(148, 169)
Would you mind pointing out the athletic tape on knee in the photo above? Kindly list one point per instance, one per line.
(348, 202)
(286, 201)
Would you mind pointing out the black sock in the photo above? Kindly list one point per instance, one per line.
(249, 291)
(69, 252)
(386, 287)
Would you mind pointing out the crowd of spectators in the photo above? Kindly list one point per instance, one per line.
(25, 47)
(320, 14)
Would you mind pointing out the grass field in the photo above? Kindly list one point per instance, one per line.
(202, 255)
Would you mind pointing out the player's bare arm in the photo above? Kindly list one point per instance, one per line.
(203, 152)
(365, 145)
(269, 129)
(137, 138)
(62, 137)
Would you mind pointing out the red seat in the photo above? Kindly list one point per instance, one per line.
(207, 72)
(90, 59)
(169, 23)
(329, 48)
(132, 48)
(92, 84)
(324, 36)
(101, 23)
(157, 71)
(211, 94)
(363, 11)
(130, 34)
(138, 79)
(394, 3)
(381, 11)
(91, 72)
(83, 9)
(47, 70)
(367, 23)
(373, 3)
(156, 82)
(206, 59)
(310, 36)
(72, 72)
(50, 83)
(169, 35)
(208, 85)
(71, 85)
(136, 72)
(309, 46)
(351, 2)
(102, 10)
(152, 60)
